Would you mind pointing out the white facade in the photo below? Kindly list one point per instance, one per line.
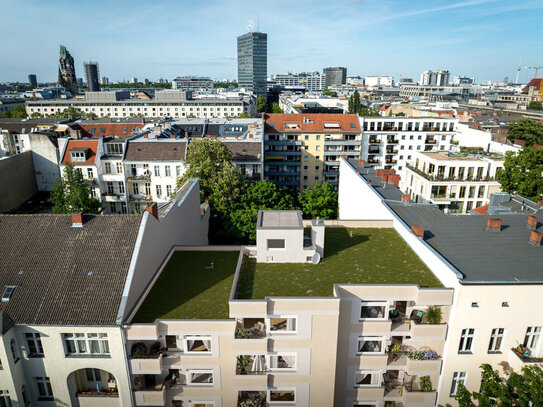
(192, 83)
(379, 81)
(312, 81)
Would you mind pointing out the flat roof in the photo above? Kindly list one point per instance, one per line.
(279, 220)
(351, 256)
(444, 155)
(368, 173)
(193, 285)
(481, 256)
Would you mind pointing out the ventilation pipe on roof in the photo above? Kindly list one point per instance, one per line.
(535, 238)
(418, 231)
(77, 220)
(152, 208)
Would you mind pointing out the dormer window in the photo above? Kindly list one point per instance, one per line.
(78, 154)
(8, 291)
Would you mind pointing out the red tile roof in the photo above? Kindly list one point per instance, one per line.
(312, 122)
(92, 145)
(108, 129)
(481, 210)
(534, 82)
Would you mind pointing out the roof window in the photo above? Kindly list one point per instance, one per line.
(8, 291)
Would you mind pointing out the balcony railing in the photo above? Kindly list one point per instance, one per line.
(146, 198)
(374, 141)
(448, 179)
(430, 141)
(524, 357)
(392, 141)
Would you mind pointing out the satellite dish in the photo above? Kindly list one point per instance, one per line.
(250, 25)
(316, 258)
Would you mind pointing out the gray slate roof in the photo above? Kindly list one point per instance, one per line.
(155, 151)
(481, 256)
(55, 287)
(244, 151)
(386, 190)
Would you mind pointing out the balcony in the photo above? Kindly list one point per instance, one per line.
(443, 198)
(251, 365)
(252, 398)
(111, 197)
(151, 396)
(391, 161)
(431, 177)
(374, 141)
(250, 328)
(91, 182)
(285, 152)
(407, 391)
(141, 198)
(392, 150)
(392, 141)
(521, 356)
(430, 141)
(143, 177)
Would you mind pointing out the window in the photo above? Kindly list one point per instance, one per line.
(90, 173)
(367, 378)
(282, 361)
(26, 397)
(496, 339)
(93, 376)
(200, 377)
(159, 191)
(458, 378)
(531, 339)
(135, 189)
(306, 137)
(276, 244)
(281, 396)
(317, 168)
(8, 291)
(108, 168)
(167, 171)
(481, 192)
(462, 192)
(282, 324)
(370, 344)
(5, 401)
(86, 343)
(306, 158)
(35, 347)
(318, 148)
(373, 310)
(110, 189)
(119, 168)
(121, 187)
(178, 170)
(157, 171)
(168, 190)
(14, 351)
(466, 340)
(44, 387)
(197, 343)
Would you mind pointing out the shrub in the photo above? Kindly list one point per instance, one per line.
(138, 350)
(423, 355)
(433, 314)
(139, 382)
(425, 384)
(243, 361)
(240, 333)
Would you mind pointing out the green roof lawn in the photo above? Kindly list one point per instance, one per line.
(370, 256)
(187, 289)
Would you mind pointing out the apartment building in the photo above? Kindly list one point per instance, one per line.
(168, 103)
(312, 81)
(282, 323)
(391, 142)
(491, 262)
(456, 182)
(302, 150)
(67, 280)
(192, 83)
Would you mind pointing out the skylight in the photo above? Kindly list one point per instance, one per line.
(7, 293)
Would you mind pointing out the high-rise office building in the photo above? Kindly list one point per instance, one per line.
(66, 71)
(32, 80)
(335, 76)
(439, 78)
(104, 80)
(91, 75)
(253, 62)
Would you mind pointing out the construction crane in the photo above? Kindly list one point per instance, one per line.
(536, 69)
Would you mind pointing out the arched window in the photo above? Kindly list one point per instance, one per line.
(14, 351)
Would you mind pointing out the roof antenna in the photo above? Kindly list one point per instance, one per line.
(258, 22)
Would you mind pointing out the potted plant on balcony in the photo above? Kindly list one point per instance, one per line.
(433, 315)
(139, 382)
(394, 351)
(240, 333)
(425, 384)
(243, 362)
(138, 350)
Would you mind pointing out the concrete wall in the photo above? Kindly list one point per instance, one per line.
(181, 225)
(45, 155)
(469, 137)
(17, 180)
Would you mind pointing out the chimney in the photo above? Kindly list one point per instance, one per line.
(406, 198)
(368, 182)
(236, 136)
(384, 178)
(493, 225)
(535, 238)
(146, 135)
(417, 231)
(173, 136)
(152, 208)
(540, 202)
(531, 222)
(361, 163)
(250, 135)
(357, 170)
(77, 220)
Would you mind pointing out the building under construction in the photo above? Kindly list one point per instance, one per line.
(66, 71)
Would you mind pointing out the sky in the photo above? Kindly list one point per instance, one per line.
(151, 39)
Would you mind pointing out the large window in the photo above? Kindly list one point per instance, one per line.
(458, 378)
(370, 344)
(167, 170)
(373, 310)
(197, 344)
(282, 324)
(531, 340)
(496, 340)
(5, 401)
(200, 377)
(33, 341)
(86, 343)
(44, 387)
(367, 378)
(276, 244)
(14, 351)
(282, 361)
(157, 171)
(466, 340)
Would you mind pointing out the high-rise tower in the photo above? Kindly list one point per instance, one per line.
(66, 71)
(253, 62)
(32, 81)
(91, 75)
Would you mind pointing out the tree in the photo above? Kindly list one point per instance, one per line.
(36, 115)
(329, 92)
(526, 129)
(243, 115)
(16, 112)
(368, 111)
(276, 109)
(71, 195)
(518, 389)
(354, 102)
(521, 173)
(257, 196)
(321, 202)
(535, 105)
(261, 104)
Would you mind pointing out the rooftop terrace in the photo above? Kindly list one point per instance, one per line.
(193, 285)
(370, 256)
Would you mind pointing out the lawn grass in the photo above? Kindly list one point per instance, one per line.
(370, 256)
(186, 289)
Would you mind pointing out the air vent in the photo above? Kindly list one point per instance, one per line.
(8, 291)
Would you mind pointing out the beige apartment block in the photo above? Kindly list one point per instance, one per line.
(456, 182)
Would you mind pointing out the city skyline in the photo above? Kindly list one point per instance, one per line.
(479, 38)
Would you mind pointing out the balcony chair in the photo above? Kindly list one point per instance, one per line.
(416, 315)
